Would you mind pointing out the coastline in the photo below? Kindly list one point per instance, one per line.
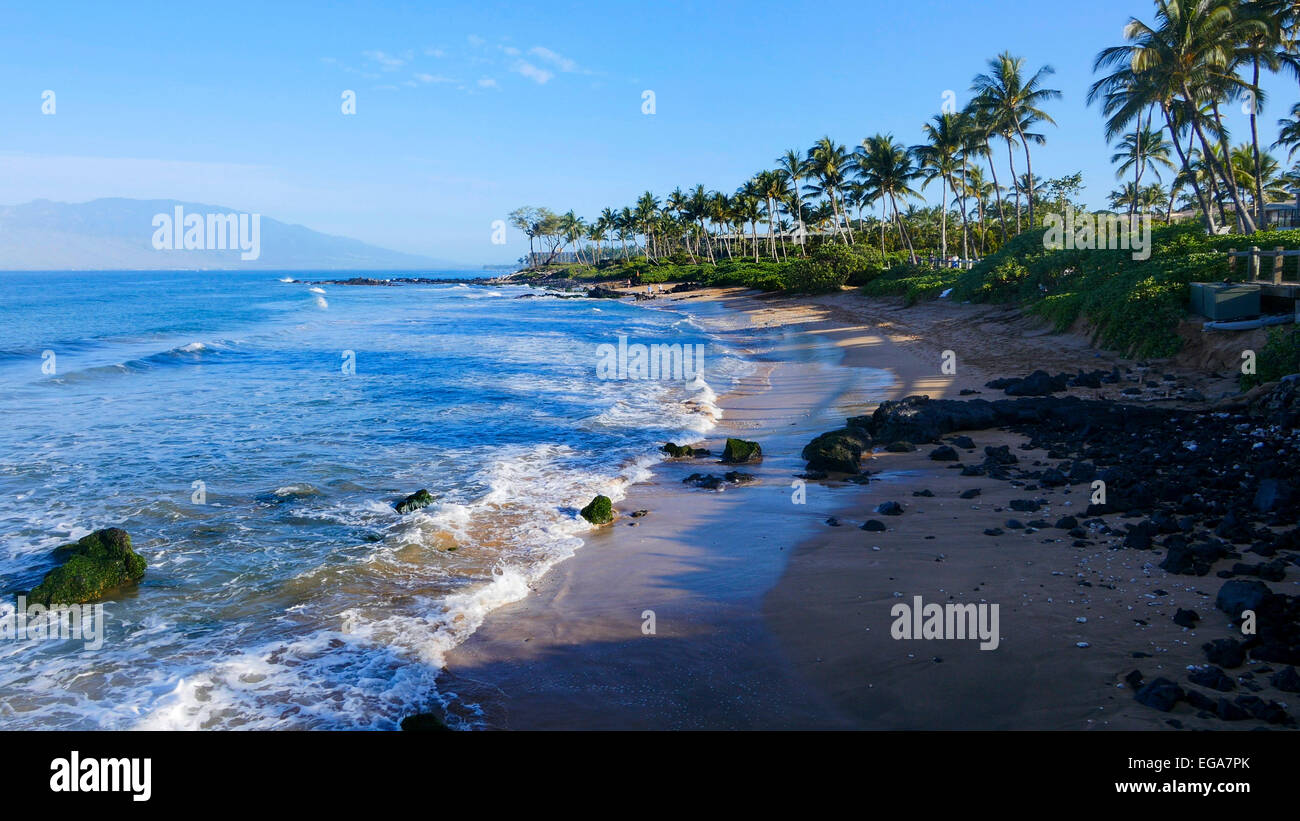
(759, 602)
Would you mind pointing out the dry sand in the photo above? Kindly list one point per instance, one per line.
(767, 617)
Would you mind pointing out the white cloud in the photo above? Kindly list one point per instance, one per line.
(487, 82)
(387, 61)
(475, 40)
(511, 50)
(434, 52)
(532, 72)
(558, 60)
(433, 78)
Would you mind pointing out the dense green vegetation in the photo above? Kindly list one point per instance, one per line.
(1278, 358)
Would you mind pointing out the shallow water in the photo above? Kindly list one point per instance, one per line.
(290, 593)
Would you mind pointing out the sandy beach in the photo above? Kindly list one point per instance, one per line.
(771, 607)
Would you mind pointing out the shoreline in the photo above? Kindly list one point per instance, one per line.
(799, 633)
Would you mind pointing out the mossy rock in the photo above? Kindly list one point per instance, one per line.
(839, 450)
(92, 567)
(424, 723)
(600, 511)
(677, 451)
(418, 499)
(900, 446)
(740, 450)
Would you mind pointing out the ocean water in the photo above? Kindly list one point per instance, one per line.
(291, 594)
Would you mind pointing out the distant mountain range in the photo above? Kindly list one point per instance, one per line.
(126, 234)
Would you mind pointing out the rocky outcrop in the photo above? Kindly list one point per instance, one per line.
(92, 567)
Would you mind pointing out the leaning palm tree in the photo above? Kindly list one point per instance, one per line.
(1187, 59)
(982, 128)
(1015, 104)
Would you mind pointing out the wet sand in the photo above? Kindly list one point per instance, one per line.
(765, 616)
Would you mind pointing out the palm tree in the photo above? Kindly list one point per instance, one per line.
(720, 213)
(1270, 44)
(1262, 176)
(677, 203)
(827, 163)
(973, 182)
(1189, 58)
(747, 209)
(938, 158)
(1142, 148)
(792, 167)
(699, 209)
(1015, 104)
(771, 186)
(982, 130)
(886, 167)
(1288, 133)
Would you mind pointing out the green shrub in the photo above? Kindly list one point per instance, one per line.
(1279, 357)
(1134, 305)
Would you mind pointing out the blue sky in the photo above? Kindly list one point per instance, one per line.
(467, 110)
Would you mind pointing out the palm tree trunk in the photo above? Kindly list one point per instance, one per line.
(1243, 219)
(1029, 174)
(911, 252)
(1011, 161)
(1254, 145)
(943, 217)
(997, 190)
(883, 220)
(1187, 169)
(965, 230)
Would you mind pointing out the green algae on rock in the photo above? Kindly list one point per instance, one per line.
(600, 511)
(92, 567)
(740, 450)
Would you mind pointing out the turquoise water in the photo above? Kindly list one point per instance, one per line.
(290, 593)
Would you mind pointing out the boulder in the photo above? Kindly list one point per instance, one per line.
(1160, 694)
(677, 451)
(1241, 594)
(1038, 383)
(839, 450)
(418, 499)
(92, 567)
(599, 511)
(739, 451)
